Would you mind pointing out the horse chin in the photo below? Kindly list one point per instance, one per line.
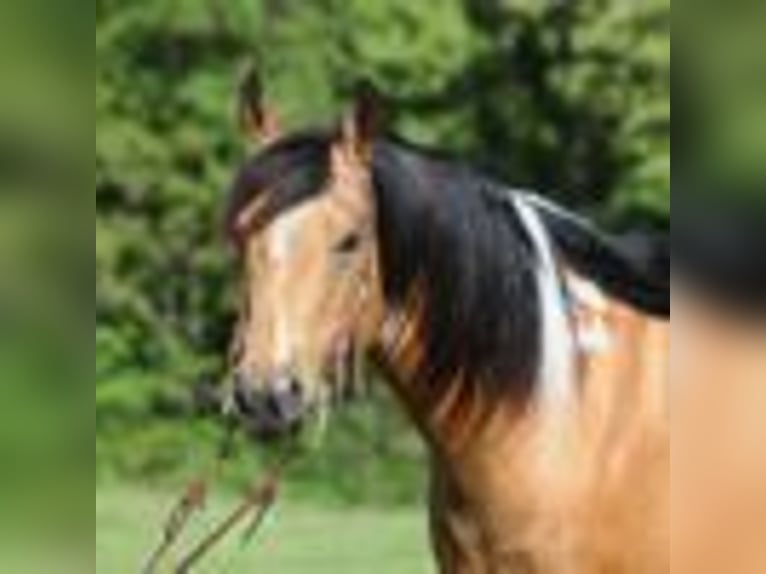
(268, 430)
(272, 433)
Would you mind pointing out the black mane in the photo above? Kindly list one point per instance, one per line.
(445, 234)
(448, 230)
(633, 268)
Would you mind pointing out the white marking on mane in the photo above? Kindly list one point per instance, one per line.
(557, 372)
(591, 309)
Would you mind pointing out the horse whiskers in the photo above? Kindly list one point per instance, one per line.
(346, 376)
(351, 365)
(226, 397)
(342, 374)
(359, 381)
(320, 416)
(344, 367)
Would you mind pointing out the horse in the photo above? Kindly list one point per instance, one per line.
(529, 349)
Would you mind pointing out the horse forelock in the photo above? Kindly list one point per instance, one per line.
(284, 174)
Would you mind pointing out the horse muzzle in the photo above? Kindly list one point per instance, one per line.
(270, 407)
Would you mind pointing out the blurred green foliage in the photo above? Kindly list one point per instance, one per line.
(44, 433)
(570, 98)
(721, 97)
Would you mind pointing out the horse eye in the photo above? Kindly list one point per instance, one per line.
(348, 243)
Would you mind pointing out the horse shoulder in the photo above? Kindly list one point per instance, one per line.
(624, 366)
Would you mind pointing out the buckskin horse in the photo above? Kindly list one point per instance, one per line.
(529, 349)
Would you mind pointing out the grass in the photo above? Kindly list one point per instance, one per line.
(297, 539)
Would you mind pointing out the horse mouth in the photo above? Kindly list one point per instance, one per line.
(266, 430)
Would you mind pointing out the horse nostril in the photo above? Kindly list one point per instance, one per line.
(243, 401)
(286, 399)
(294, 387)
(244, 397)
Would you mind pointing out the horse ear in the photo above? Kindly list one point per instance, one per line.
(362, 124)
(258, 122)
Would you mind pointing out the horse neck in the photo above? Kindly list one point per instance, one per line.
(469, 435)
(481, 484)
(519, 472)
